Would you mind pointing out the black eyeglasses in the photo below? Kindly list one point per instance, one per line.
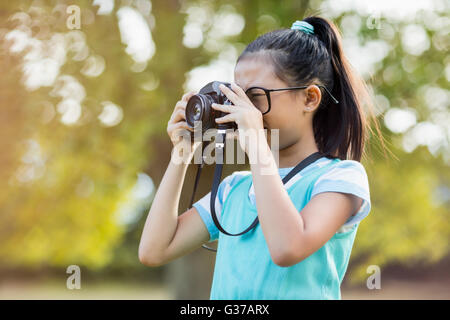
(260, 97)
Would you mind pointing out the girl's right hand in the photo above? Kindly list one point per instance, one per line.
(177, 124)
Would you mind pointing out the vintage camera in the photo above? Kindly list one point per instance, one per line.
(199, 108)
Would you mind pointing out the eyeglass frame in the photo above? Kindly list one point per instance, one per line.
(268, 91)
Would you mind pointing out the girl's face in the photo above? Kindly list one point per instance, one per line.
(287, 107)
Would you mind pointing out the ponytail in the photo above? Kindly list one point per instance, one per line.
(300, 58)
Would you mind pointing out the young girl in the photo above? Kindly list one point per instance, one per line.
(301, 246)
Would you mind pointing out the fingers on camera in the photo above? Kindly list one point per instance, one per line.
(179, 125)
(181, 105)
(177, 115)
(186, 96)
(182, 114)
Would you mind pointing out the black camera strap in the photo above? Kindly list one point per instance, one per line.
(197, 176)
(197, 179)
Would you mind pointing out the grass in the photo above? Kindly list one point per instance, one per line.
(116, 290)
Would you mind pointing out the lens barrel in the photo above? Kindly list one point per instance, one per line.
(199, 108)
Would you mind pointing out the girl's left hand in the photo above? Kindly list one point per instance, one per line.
(247, 117)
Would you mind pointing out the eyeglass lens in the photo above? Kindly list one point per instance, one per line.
(259, 99)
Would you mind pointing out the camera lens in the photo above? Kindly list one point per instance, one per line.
(197, 112)
(198, 108)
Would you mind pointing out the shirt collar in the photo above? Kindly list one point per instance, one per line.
(284, 171)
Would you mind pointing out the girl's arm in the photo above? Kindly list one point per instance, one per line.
(166, 235)
(290, 236)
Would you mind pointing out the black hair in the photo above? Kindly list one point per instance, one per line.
(301, 59)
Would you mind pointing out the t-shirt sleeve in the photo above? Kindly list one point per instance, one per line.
(348, 176)
(203, 205)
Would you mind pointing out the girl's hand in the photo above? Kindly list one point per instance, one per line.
(177, 126)
(247, 117)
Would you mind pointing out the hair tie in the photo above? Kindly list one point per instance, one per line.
(303, 26)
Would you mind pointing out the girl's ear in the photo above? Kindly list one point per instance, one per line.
(313, 96)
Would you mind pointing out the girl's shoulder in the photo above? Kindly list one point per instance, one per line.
(344, 170)
(349, 164)
(346, 176)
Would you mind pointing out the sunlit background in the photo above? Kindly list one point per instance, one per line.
(87, 89)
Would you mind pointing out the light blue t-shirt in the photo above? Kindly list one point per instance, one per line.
(244, 268)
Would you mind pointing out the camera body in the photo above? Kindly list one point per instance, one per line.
(199, 108)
